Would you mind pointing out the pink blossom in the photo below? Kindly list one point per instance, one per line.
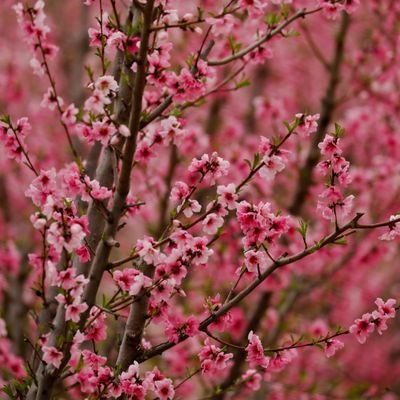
(394, 229)
(265, 146)
(213, 359)
(131, 280)
(124, 131)
(146, 250)
(330, 146)
(351, 5)
(227, 196)
(199, 251)
(69, 115)
(332, 199)
(256, 261)
(83, 254)
(106, 84)
(51, 101)
(332, 346)
(97, 331)
(116, 40)
(255, 352)
(193, 206)
(96, 102)
(144, 152)
(216, 165)
(177, 326)
(272, 165)
(74, 310)
(96, 191)
(52, 356)
(380, 321)
(387, 308)
(281, 360)
(254, 7)
(66, 279)
(102, 131)
(252, 379)
(179, 191)
(362, 327)
(331, 10)
(164, 389)
(211, 223)
(308, 124)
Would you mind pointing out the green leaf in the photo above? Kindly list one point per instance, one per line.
(303, 228)
(288, 126)
(296, 123)
(292, 33)
(176, 112)
(319, 345)
(256, 160)
(339, 131)
(6, 119)
(190, 60)
(340, 242)
(242, 83)
(90, 73)
(8, 390)
(285, 9)
(272, 19)
(235, 47)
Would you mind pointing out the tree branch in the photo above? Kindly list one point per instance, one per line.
(328, 108)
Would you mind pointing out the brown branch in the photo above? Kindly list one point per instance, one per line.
(330, 239)
(131, 348)
(134, 323)
(105, 175)
(327, 240)
(164, 203)
(314, 47)
(299, 14)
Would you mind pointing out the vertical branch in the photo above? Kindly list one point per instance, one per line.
(103, 249)
(261, 74)
(131, 348)
(328, 108)
(76, 58)
(164, 203)
(46, 377)
(134, 324)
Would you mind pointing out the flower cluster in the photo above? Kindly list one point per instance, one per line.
(332, 204)
(274, 160)
(131, 280)
(213, 359)
(36, 33)
(394, 229)
(213, 165)
(365, 325)
(255, 352)
(260, 225)
(157, 136)
(111, 38)
(332, 9)
(13, 137)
